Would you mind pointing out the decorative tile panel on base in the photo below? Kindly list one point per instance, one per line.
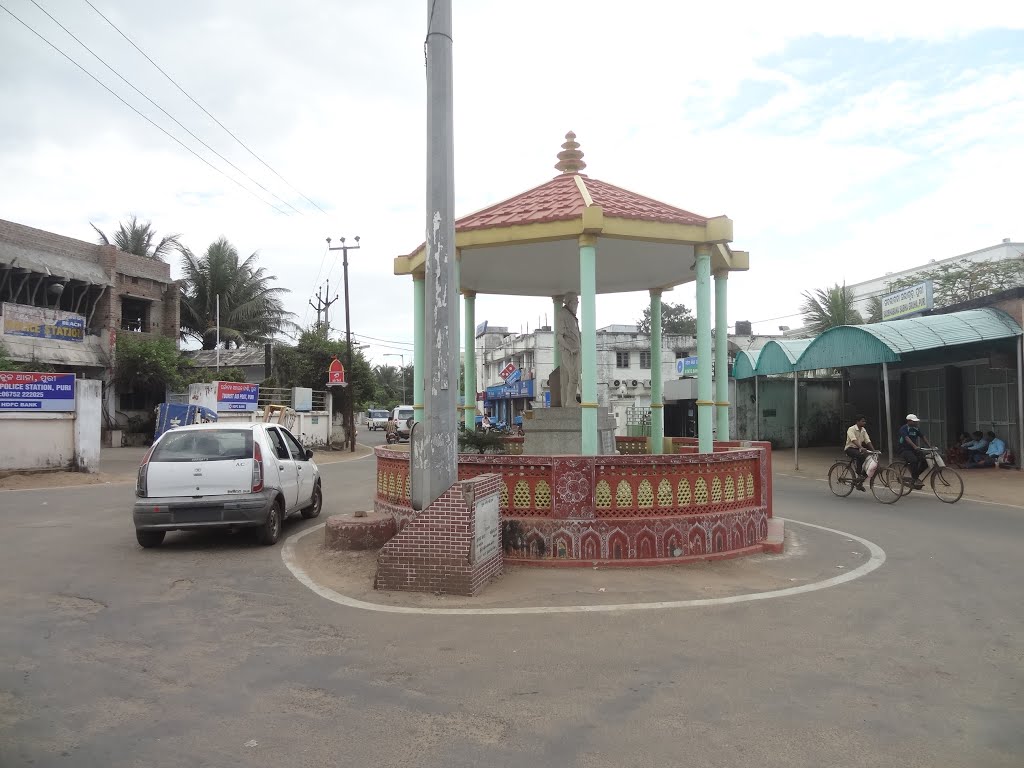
(452, 547)
(649, 509)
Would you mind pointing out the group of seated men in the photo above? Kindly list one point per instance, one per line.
(978, 450)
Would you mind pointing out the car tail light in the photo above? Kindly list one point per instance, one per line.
(140, 483)
(257, 467)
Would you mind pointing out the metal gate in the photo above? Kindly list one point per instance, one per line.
(990, 396)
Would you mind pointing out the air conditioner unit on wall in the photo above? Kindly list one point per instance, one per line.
(634, 383)
(647, 383)
(616, 384)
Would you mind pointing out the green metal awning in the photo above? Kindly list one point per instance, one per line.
(887, 342)
(744, 363)
(780, 356)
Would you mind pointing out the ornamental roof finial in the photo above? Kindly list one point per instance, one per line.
(570, 159)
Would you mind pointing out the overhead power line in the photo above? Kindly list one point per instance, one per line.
(204, 109)
(172, 117)
(140, 114)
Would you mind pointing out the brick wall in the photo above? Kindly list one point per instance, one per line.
(432, 552)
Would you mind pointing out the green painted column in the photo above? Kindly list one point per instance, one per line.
(588, 338)
(657, 442)
(705, 405)
(556, 304)
(722, 354)
(418, 345)
(469, 391)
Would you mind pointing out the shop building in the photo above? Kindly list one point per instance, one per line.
(63, 303)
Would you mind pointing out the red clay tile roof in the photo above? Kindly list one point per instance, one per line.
(560, 200)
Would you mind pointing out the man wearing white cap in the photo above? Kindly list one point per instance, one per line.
(910, 439)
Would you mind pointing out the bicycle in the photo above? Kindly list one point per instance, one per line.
(946, 483)
(884, 483)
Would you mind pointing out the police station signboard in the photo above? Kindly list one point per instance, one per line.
(40, 323)
(26, 391)
(236, 396)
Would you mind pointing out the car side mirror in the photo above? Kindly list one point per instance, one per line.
(309, 453)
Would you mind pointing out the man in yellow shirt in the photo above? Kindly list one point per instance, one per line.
(857, 443)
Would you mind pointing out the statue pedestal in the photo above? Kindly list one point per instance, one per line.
(558, 431)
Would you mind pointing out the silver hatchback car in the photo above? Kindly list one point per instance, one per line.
(225, 475)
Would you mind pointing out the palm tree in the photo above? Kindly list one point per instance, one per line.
(875, 309)
(139, 239)
(251, 310)
(829, 308)
(389, 381)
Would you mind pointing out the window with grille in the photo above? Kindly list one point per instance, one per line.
(622, 359)
(645, 360)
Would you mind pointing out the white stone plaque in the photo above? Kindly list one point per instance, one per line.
(487, 526)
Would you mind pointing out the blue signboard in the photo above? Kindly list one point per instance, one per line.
(171, 415)
(509, 391)
(23, 391)
(515, 376)
(39, 323)
(236, 396)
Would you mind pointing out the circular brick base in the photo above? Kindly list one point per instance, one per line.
(371, 532)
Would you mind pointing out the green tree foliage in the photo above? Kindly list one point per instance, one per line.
(251, 310)
(675, 319)
(6, 364)
(306, 364)
(389, 385)
(193, 375)
(149, 365)
(829, 308)
(140, 238)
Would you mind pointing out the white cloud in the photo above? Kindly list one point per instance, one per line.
(332, 96)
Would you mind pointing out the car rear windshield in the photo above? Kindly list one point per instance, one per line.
(204, 445)
(405, 414)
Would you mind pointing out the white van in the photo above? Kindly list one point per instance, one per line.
(402, 414)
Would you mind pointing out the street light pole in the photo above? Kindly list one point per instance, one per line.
(350, 427)
(399, 354)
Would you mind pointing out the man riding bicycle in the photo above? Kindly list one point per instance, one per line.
(857, 445)
(910, 439)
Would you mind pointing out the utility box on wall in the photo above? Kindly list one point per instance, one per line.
(302, 399)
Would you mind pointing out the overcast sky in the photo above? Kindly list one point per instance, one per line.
(843, 141)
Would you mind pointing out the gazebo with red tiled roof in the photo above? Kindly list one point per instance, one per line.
(578, 234)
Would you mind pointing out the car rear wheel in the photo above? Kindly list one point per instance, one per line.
(150, 539)
(313, 510)
(271, 530)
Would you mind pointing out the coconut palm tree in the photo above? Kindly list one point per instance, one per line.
(389, 381)
(140, 239)
(251, 310)
(829, 308)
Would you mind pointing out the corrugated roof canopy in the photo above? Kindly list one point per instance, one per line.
(746, 360)
(887, 342)
(779, 355)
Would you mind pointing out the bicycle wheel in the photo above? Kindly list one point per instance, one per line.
(840, 479)
(904, 476)
(947, 485)
(886, 486)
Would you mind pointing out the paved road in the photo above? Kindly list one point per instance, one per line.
(207, 652)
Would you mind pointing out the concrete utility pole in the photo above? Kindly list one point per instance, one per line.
(436, 464)
(350, 416)
(323, 303)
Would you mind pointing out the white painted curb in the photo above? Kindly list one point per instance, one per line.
(874, 562)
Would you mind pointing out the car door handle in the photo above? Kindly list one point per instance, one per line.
(280, 466)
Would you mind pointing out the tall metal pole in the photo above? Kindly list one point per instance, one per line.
(888, 408)
(435, 463)
(350, 417)
(218, 333)
(1020, 402)
(796, 420)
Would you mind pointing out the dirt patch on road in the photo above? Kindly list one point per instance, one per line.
(37, 480)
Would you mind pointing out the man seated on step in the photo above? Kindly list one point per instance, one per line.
(994, 452)
(857, 445)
